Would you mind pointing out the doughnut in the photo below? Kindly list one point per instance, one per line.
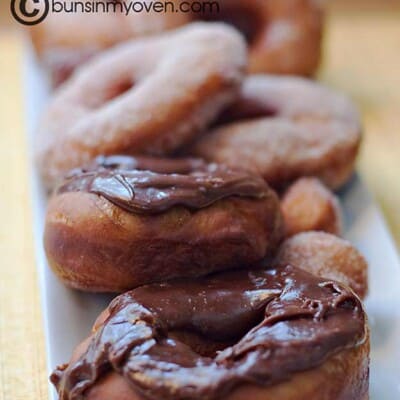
(328, 256)
(286, 128)
(146, 96)
(64, 41)
(111, 227)
(284, 37)
(280, 333)
(308, 205)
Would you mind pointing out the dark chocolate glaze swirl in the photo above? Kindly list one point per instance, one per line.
(267, 325)
(150, 185)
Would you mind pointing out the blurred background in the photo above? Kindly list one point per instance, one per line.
(361, 57)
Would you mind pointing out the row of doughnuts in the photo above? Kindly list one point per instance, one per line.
(204, 196)
(157, 216)
(282, 128)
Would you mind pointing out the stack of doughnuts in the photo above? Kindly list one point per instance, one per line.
(202, 197)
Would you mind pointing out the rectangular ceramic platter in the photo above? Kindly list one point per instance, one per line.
(68, 315)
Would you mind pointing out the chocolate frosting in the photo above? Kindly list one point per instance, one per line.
(265, 325)
(150, 185)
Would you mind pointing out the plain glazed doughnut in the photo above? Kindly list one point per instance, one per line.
(262, 335)
(328, 256)
(284, 37)
(147, 96)
(112, 227)
(308, 205)
(286, 128)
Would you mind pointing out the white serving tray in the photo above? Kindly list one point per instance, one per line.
(68, 315)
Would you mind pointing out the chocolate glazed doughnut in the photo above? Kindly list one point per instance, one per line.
(261, 335)
(147, 96)
(286, 128)
(112, 227)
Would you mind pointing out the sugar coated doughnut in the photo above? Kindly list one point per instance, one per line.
(284, 37)
(147, 96)
(286, 128)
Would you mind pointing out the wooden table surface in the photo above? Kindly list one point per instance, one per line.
(362, 57)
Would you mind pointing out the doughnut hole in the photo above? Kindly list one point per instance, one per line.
(118, 89)
(110, 92)
(105, 92)
(210, 341)
(200, 344)
(308, 205)
(245, 110)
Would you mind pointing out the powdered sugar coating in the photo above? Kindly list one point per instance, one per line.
(328, 256)
(308, 205)
(146, 96)
(286, 128)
